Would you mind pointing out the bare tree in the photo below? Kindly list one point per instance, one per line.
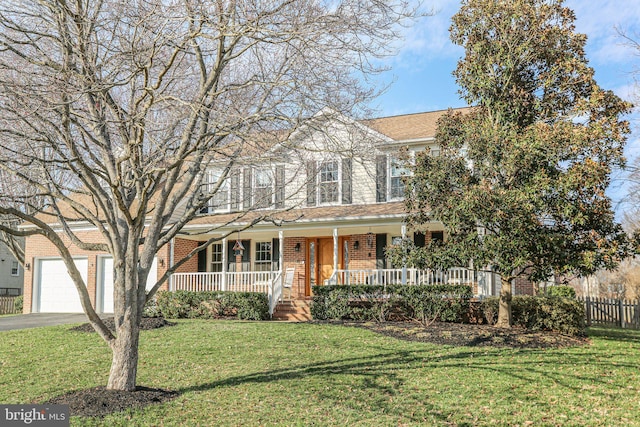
(130, 101)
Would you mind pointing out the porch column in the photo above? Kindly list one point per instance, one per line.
(281, 251)
(335, 251)
(403, 230)
(225, 263)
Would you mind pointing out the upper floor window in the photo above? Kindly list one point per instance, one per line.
(329, 182)
(396, 180)
(220, 199)
(15, 268)
(247, 188)
(263, 188)
(390, 173)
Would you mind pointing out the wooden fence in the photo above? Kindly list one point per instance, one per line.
(604, 311)
(6, 305)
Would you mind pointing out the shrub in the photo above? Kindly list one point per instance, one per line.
(18, 303)
(561, 291)
(425, 303)
(560, 314)
(213, 305)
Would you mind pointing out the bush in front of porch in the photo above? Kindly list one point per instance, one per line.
(213, 305)
(548, 313)
(424, 303)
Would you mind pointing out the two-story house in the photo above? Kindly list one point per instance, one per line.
(332, 195)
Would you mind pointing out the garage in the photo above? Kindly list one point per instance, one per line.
(105, 283)
(55, 291)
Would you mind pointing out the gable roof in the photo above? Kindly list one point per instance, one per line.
(410, 126)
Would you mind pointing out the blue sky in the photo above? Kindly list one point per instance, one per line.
(421, 72)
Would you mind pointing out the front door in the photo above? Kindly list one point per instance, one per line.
(325, 260)
(320, 258)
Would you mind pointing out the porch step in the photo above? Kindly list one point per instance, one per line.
(293, 311)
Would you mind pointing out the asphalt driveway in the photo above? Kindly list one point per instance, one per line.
(35, 320)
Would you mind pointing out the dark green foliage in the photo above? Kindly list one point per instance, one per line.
(213, 305)
(561, 291)
(520, 182)
(18, 303)
(448, 303)
(548, 313)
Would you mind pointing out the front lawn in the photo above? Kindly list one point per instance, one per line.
(232, 373)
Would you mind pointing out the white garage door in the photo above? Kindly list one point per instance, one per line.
(56, 291)
(106, 283)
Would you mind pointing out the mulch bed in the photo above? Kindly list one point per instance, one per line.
(147, 323)
(457, 334)
(98, 401)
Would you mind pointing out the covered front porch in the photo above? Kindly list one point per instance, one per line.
(285, 260)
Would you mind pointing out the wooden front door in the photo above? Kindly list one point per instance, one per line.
(320, 260)
(325, 259)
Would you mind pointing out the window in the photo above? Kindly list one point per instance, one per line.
(220, 199)
(15, 268)
(437, 236)
(216, 258)
(263, 256)
(390, 173)
(396, 181)
(263, 188)
(329, 182)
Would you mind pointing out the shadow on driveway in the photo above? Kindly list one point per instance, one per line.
(36, 320)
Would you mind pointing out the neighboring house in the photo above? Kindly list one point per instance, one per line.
(335, 202)
(11, 273)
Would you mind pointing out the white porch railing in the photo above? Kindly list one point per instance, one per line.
(245, 281)
(409, 276)
(485, 283)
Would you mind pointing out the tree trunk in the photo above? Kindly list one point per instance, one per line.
(504, 305)
(124, 364)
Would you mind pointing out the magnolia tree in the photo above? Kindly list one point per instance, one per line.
(113, 110)
(521, 177)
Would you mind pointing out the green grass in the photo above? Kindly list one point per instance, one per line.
(271, 374)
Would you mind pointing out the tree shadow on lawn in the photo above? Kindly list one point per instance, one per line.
(378, 378)
(615, 334)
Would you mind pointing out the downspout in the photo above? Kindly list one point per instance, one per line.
(171, 259)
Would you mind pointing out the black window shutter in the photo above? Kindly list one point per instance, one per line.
(275, 254)
(235, 190)
(279, 187)
(202, 261)
(247, 251)
(381, 178)
(231, 256)
(246, 189)
(346, 181)
(418, 239)
(381, 244)
(311, 183)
